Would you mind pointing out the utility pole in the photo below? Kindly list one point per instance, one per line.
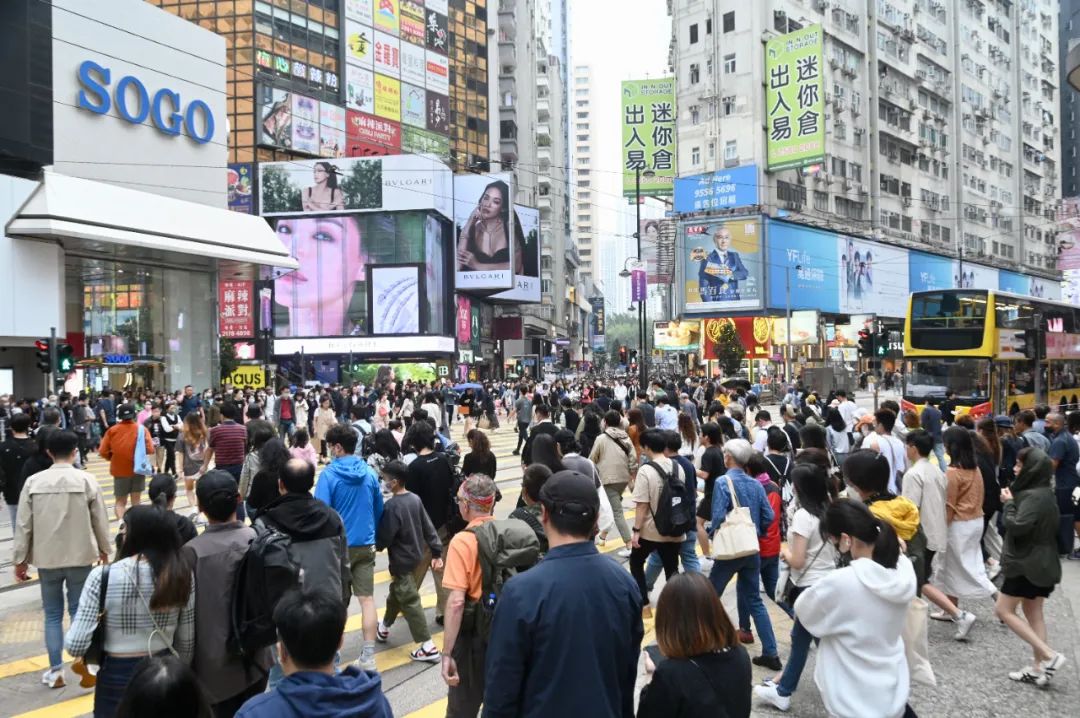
(53, 376)
(787, 299)
(641, 305)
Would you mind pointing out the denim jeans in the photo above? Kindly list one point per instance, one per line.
(748, 571)
(288, 428)
(939, 452)
(52, 600)
(800, 649)
(770, 572)
(13, 512)
(687, 555)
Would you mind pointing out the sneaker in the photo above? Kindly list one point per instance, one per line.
(963, 625)
(382, 633)
(1027, 674)
(1074, 556)
(426, 656)
(1051, 666)
(939, 615)
(367, 664)
(53, 678)
(993, 571)
(623, 553)
(770, 662)
(768, 693)
(515, 452)
(745, 636)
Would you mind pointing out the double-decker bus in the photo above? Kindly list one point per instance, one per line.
(999, 352)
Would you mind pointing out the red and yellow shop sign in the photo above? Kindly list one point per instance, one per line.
(754, 332)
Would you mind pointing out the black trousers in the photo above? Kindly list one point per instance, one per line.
(464, 699)
(669, 555)
(523, 434)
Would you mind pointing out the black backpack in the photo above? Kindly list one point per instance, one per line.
(262, 577)
(674, 514)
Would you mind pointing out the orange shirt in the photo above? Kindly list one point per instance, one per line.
(462, 571)
(118, 446)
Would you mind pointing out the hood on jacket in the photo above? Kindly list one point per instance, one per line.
(899, 512)
(617, 434)
(350, 469)
(302, 517)
(1036, 472)
(351, 693)
(895, 585)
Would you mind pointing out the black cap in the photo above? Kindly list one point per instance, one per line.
(216, 485)
(125, 412)
(571, 492)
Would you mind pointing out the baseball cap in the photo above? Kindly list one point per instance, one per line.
(1003, 421)
(216, 485)
(571, 492)
(125, 412)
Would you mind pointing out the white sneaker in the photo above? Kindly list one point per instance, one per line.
(1031, 675)
(368, 665)
(623, 553)
(382, 633)
(1053, 665)
(963, 625)
(426, 656)
(768, 693)
(53, 678)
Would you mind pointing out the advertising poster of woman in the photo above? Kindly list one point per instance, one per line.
(485, 250)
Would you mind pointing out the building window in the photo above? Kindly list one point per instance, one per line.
(695, 73)
(695, 155)
(693, 33)
(712, 150)
(729, 64)
(695, 114)
(731, 151)
(708, 26)
(729, 21)
(729, 105)
(821, 201)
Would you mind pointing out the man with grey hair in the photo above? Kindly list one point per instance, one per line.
(751, 494)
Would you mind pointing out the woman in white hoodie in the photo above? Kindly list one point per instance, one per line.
(858, 613)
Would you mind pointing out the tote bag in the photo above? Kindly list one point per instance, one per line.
(737, 536)
(141, 462)
(916, 643)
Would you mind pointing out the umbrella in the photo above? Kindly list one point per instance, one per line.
(471, 385)
(735, 383)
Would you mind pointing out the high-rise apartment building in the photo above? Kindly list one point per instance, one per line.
(1069, 121)
(941, 117)
(335, 78)
(582, 141)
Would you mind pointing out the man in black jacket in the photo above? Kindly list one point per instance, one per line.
(543, 425)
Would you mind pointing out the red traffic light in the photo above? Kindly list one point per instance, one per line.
(42, 345)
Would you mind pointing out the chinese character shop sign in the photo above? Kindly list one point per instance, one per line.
(648, 136)
(236, 319)
(795, 99)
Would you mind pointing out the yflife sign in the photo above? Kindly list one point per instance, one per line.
(166, 109)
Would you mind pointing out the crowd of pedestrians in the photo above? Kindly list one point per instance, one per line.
(848, 520)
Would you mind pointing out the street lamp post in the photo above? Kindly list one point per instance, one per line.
(641, 304)
(787, 297)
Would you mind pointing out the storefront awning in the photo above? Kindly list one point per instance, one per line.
(102, 219)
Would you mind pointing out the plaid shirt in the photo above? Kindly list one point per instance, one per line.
(129, 628)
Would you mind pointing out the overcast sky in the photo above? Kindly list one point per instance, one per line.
(621, 40)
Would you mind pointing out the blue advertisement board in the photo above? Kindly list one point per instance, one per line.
(721, 264)
(1013, 282)
(812, 258)
(723, 189)
(927, 272)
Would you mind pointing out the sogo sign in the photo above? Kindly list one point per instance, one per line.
(165, 109)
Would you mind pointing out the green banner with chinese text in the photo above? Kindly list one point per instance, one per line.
(648, 136)
(795, 99)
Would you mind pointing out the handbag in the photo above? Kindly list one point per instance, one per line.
(141, 462)
(916, 642)
(87, 665)
(790, 591)
(737, 536)
(484, 423)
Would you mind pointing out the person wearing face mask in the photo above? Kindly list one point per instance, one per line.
(285, 414)
(858, 612)
(170, 432)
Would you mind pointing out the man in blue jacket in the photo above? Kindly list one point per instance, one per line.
(348, 486)
(750, 494)
(567, 633)
(311, 626)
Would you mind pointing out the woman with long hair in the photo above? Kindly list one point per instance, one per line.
(637, 427)
(324, 195)
(300, 446)
(590, 431)
(164, 687)
(700, 654)
(810, 559)
(962, 573)
(480, 459)
(988, 457)
(149, 605)
(484, 243)
(837, 438)
(1030, 561)
(324, 419)
(689, 433)
(162, 493)
(191, 446)
(273, 455)
(387, 449)
(858, 613)
(546, 451)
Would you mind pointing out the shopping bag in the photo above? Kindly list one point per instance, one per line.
(916, 643)
(737, 536)
(606, 519)
(142, 464)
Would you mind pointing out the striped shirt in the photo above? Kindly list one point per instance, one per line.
(229, 442)
(130, 627)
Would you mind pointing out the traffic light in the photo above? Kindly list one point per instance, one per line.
(65, 358)
(882, 346)
(43, 354)
(866, 343)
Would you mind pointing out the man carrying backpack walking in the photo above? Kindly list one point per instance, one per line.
(664, 513)
(474, 591)
(350, 487)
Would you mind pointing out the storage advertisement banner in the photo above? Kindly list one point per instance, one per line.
(648, 136)
(722, 265)
(795, 99)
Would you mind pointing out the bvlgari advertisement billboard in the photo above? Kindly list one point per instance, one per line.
(485, 250)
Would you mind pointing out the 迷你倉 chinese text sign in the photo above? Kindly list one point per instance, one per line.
(795, 99)
(648, 136)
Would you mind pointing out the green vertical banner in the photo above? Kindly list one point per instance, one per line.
(648, 136)
(795, 99)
